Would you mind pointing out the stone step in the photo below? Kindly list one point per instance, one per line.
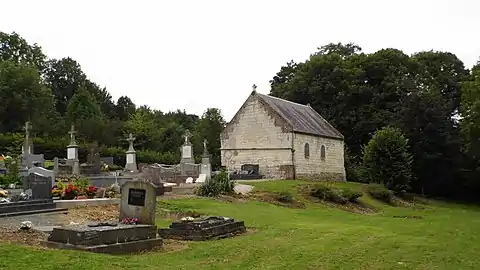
(26, 207)
(32, 212)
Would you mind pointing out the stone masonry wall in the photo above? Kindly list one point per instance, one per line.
(313, 167)
(255, 128)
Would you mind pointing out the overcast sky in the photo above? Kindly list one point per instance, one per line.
(197, 54)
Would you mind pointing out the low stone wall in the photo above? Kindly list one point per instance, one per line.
(108, 180)
(75, 203)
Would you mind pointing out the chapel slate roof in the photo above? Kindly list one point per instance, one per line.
(303, 118)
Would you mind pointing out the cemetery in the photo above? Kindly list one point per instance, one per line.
(72, 184)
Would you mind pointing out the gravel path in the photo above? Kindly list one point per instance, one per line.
(47, 219)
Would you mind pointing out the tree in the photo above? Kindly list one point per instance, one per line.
(443, 73)
(344, 50)
(17, 50)
(210, 126)
(470, 111)
(84, 112)
(124, 108)
(64, 77)
(386, 160)
(23, 96)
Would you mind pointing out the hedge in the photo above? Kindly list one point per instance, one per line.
(57, 147)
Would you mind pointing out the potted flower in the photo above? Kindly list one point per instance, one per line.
(56, 192)
(71, 191)
(91, 192)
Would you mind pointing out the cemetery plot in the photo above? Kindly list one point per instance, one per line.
(105, 238)
(203, 229)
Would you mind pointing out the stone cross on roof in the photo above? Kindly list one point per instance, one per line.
(72, 133)
(254, 87)
(131, 139)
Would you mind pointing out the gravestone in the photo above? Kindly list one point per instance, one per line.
(107, 160)
(203, 229)
(187, 150)
(206, 167)
(40, 185)
(138, 201)
(131, 156)
(72, 152)
(40, 171)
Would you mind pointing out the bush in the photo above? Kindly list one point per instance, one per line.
(326, 193)
(284, 196)
(219, 184)
(386, 160)
(379, 192)
(351, 195)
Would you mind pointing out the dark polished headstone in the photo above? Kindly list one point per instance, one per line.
(40, 185)
(204, 229)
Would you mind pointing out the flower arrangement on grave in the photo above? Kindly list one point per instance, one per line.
(57, 191)
(130, 221)
(112, 191)
(70, 192)
(91, 191)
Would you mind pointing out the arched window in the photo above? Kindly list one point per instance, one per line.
(307, 150)
(322, 152)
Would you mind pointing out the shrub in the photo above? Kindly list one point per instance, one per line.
(386, 160)
(379, 192)
(219, 184)
(284, 196)
(326, 193)
(351, 195)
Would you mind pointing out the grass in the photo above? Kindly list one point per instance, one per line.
(318, 237)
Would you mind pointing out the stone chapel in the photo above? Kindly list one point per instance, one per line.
(286, 140)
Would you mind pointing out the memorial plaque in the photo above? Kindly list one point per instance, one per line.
(71, 153)
(187, 151)
(129, 158)
(136, 196)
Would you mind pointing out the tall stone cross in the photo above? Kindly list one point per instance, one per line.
(187, 134)
(205, 145)
(26, 144)
(130, 140)
(27, 128)
(72, 133)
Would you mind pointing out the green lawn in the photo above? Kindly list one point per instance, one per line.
(318, 237)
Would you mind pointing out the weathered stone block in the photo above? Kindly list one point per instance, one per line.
(201, 230)
(108, 239)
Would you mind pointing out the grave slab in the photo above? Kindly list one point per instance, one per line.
(203, 229)
(105, 238)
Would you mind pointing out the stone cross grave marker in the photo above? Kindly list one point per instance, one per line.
(138, 201)
(186, 136)
(131, 157)
(72, 133)
(187, 150)
(26, 145)
(40, 185)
